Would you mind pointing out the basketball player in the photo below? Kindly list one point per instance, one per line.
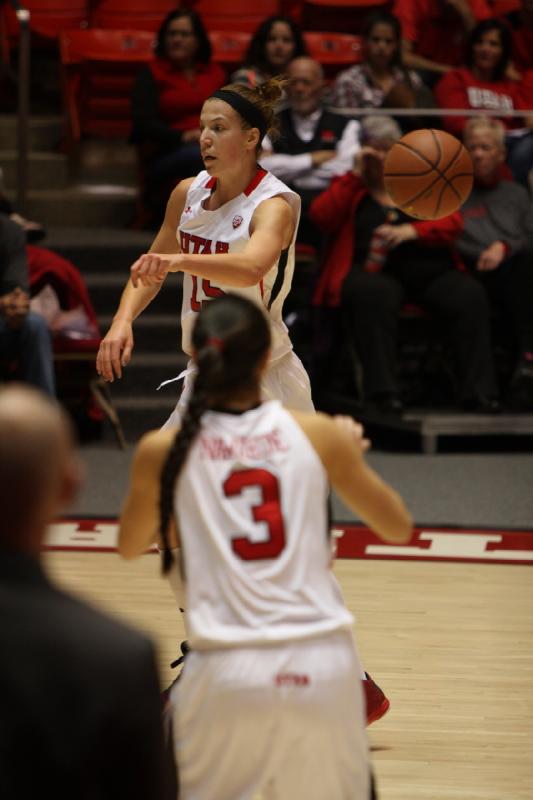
(236, 230)
(266, 700)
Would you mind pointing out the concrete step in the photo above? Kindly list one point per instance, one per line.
(105, 161)
(105, 290)
(45, 132)
(147, 371)
(99, 249)
(141, 413)
(92, 206)
(151, 331)
(45, 169)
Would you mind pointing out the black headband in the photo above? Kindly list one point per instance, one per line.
(245, 108)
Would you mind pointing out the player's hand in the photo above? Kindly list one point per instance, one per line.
(115, 350)
(491, 257)
(393, 235)
(151, 269)
(353, 429)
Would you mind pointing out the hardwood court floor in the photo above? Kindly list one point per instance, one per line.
(451, 644)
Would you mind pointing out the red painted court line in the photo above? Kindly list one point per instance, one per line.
(429, 543)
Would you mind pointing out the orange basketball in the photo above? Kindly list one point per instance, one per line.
(428, 174)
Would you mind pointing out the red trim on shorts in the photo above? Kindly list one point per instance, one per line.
(256, 180)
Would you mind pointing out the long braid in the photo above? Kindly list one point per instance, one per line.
(230, 335)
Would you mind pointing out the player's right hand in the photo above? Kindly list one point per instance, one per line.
(115, 350)
(353, 429)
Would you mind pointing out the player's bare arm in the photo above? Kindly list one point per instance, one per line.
(271, 230)
(140, 516)
(117, 345)
(356, 483)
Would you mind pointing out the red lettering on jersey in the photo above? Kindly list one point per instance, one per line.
(195, 304)
(185, 238)
(207, 247)
(198, 242)
(222, 247)
(292, 679)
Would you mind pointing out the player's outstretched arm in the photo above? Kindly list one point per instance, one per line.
(117, 345)
(341, 448)
(271, 231)
(139, 519)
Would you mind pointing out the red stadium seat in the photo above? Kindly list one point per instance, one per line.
(335, 51)
(47, 17)
(142, 15)
(234, 15)
(344, 16)
(98, 71)
(229, 47)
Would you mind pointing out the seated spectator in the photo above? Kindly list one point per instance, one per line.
(34, 230)
(522, 34)
(381, 79)
(482, 84)
(434, 32)
(314, 144)
(80, 692)
(25, 342)
(167, 99)
(274, 44)
(379, 258)
(497, 246)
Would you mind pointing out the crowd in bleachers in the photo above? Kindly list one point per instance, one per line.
(143, 70)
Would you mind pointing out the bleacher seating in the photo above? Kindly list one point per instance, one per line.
(344, 16)
(143, 15)
(98, 70)
(229, 47)
(237, 15)
(47, 17)
(335, 51)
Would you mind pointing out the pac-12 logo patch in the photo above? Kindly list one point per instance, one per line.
(237, 220)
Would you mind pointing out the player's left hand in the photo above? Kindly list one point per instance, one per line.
(393, 235)
(491, 257)
(152, 269)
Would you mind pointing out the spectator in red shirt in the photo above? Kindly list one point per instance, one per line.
(167, 100)
(378, 258)
(483, 84)
(522, 32)
(434, 32)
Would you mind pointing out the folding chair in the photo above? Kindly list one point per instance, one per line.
(143, 15)
(98, 70)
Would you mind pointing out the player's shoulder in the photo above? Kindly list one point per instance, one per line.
(319, 428)
(153, 447)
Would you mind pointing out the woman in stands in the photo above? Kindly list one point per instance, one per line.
(167, 100)
(381, 79)
(266, 700)
(483, 84)
(274, 44)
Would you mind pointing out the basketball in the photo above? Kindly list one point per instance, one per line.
(428, 174)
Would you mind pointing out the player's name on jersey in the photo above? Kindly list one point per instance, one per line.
(353, 541)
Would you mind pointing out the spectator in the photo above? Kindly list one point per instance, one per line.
(314, 144)
(482, 84)
(25, 343)
(167, 99)
(274, 44)
(522, 33)
(381, 79)
(497, 246)
(80, 695)
(379, 258)
(434, 32)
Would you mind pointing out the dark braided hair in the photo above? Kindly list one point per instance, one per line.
(230, 337)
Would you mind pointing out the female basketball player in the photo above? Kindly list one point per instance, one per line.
(266, 700)
(231, 227)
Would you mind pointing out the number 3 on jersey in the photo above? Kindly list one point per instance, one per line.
(268, 510)
(208, 290)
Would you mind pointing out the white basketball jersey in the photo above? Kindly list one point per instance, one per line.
(251, 507)
(227, 230)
